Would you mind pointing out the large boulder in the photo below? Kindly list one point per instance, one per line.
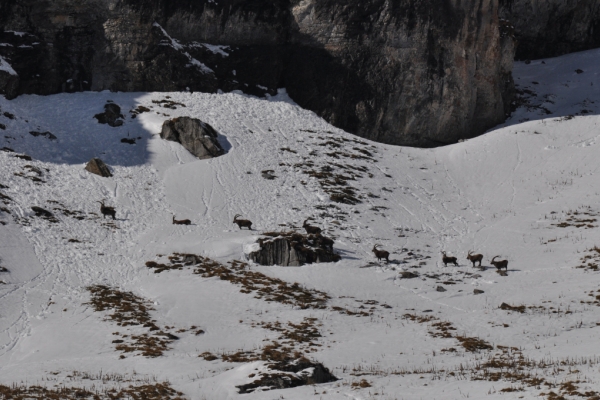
(197, 137)
(293, 249)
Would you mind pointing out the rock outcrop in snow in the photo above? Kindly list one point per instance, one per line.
(293, 249)
(199, 138)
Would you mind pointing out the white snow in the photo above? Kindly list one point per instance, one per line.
(5, 66)
(178, 46)
(505, 193)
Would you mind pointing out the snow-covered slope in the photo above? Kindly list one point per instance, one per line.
(527, 192)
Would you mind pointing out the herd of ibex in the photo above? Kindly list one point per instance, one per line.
(474, 258)
(315, 230)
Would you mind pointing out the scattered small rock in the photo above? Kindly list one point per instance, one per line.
(44, 134)
(268, 174)
(127, 140)
(2, 126)
(97, 166)
(440, 289)
(3, 269)
(7, 149)
(579, 71)
(478, 291)
(24, 157)
(9, 115)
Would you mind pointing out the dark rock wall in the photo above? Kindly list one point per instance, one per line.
(414, 72)
(548, 28)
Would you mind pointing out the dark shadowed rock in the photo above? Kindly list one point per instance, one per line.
(43, 213)
(293, 249)
(97, 166)
(289, 374)
(478, 291)
(197, 137)
(410, 72)
(111, 115)
(440, 289)
(549, 28)
(47, 135)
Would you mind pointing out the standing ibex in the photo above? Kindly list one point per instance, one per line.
(499, 264)
(380, 253)
(242, 222)
(181, 221)
(107, 210)
(474, 258)
(446, 259)
(311, 229)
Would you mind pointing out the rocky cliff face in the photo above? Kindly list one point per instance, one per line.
(548, 28)
(415, 72)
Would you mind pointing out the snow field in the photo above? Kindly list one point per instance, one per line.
(503, 193)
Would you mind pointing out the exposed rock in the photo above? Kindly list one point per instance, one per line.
(111, 115)
(403, 72)
(3, 269)
(549, 28)
(478, 291)
(408, 275)
(43, 213)
(268, 174)
(508, 307)
(128, 140)
(44, 134)
(440, 289)
(2, 126)
(97, 166)
(197, 137)
(291, 374)
(293, 249)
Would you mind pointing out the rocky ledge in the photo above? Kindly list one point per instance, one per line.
(421, 73)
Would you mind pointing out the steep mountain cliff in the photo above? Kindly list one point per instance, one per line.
(548, 28)
(411, 72)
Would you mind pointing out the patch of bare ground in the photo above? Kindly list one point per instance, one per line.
(445, 330)
(590, 261)
(579, 219)
(285, 357)
(127, 309)
(156, 391)
(239, 273)
(535, 309)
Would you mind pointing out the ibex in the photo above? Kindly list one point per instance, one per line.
(380, 253)
(107, 210)
(446, 259)
(311, 229)
(242, 222)
(181, 221)
(499, 264)
(474, 258)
